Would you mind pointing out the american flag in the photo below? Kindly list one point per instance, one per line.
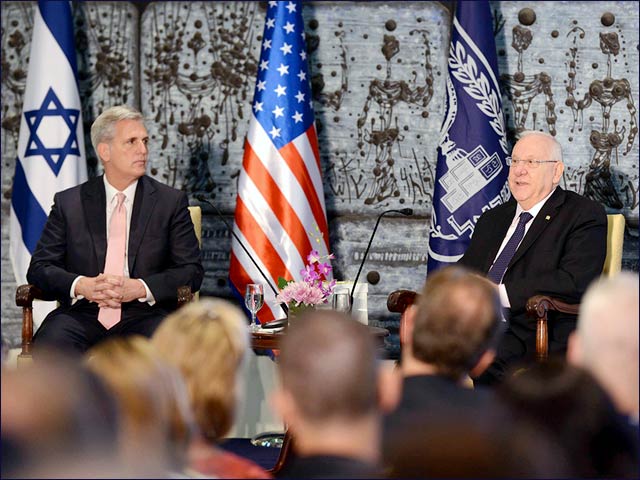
(280, 213)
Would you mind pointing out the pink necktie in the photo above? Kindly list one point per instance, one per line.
(114, 263)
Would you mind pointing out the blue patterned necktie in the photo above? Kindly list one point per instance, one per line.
(500, 265)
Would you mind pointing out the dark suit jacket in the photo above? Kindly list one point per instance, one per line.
(563, 251)
(163, 249)
(432, 404)
(437, 399)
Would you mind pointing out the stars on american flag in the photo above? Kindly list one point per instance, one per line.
(283, 69)
(286, 48)
(282, 101)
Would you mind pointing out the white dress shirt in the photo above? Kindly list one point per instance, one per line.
(504, 298)
(130, 194)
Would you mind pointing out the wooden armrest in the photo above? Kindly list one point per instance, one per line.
(538, 307)
(399, 300)
(184, 295)
(286, 452)
(25, 295)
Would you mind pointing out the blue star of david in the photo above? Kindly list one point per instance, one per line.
(52, 107)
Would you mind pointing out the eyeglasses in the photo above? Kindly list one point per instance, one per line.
(513, 162)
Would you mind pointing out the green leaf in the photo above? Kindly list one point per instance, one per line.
(282, 283)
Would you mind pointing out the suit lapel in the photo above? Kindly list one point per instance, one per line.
(94, 201)
(540, 223)
(143, 204)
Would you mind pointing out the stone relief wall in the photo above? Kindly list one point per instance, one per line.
(378, 84)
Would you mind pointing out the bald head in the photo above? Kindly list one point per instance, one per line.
(606, 340)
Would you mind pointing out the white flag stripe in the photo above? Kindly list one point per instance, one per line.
(282, 175)
(20, 256)
(254, 273)
(255, 203)
(306, 152)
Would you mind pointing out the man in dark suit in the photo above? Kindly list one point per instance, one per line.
(159, 249)
(451, 330)
(545, 240)
(328, 397)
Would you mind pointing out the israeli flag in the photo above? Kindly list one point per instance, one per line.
(51, 143)
(471, 174)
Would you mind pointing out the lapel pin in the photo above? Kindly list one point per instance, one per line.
(547, 217)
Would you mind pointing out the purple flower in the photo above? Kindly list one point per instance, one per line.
(313, 257)
(309, 274)
(324, 269)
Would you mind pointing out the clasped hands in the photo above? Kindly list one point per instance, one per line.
(109, 290)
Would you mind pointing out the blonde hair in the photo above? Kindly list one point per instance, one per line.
(152, 399)
(207, 340)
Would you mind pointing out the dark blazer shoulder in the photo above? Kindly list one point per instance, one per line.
(582, 202)
(162, 188)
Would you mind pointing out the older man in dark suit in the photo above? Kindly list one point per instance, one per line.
(116, 248)
(545, 240)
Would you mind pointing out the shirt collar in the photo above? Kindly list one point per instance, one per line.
(536, 208)
(111, 191)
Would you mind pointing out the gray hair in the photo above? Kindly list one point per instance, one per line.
(103, 127)
(608, 336)
(556, 148)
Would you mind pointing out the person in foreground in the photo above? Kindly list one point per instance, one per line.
(328, 397)
(569, 403)
(452, 330)
(545, 240)
(208, 341)
(156, 422)
(606, 340)
(115, 249)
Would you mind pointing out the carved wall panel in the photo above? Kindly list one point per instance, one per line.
(378, 74)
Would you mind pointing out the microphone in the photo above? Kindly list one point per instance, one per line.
(202, 198)
(402, 211)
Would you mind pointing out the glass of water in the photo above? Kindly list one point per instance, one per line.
(254, 299)
(341, 300)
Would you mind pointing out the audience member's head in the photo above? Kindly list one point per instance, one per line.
(606, 340)
(207, 341)
(328, 394)
(569, 403)
(453, 327)
(58, 420)
(156, 422)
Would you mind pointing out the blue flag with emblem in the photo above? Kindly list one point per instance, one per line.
(471, 174)
(50, 154)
